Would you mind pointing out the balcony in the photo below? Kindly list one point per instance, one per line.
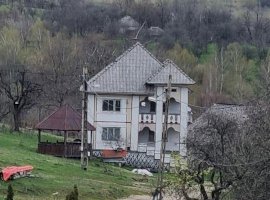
(151, 118)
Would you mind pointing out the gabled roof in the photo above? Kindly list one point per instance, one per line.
(131, 72)
(178, 76)
(63, 119)
(128, 74)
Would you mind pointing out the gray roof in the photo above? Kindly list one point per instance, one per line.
(129, 23)
(237, 113)
(130, 72)
(178, 76)
(155, 31)
(232, 111)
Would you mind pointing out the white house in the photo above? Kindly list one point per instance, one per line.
(122, 112)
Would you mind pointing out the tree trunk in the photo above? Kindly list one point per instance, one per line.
(203, 192)
(16, 118)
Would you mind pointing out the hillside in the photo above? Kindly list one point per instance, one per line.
(59, 175)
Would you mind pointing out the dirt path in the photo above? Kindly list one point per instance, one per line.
(144, 197)
(137, 197)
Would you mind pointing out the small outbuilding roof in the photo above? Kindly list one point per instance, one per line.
(155, 31)
(234, 112)
(64, 118)
(129, 23)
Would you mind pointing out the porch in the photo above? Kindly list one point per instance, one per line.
(147, 141)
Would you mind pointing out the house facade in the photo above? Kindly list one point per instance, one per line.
(126, 104)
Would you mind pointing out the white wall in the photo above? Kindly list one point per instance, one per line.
(121, 119)
(173, 140)
(115, 116)
(102, 144)
(128, 120)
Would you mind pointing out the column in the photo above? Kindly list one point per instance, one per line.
(159, 121)
(183, 120)
(134, 123)
(90, 117)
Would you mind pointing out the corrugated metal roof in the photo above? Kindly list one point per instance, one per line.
(237, 113)
(64, 118)
(178, 76)
(131, 71)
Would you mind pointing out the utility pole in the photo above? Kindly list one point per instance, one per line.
(84, 156)
(158, 193)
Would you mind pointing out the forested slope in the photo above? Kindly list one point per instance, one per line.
(222, 45)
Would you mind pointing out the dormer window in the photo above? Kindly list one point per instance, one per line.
(111, 105)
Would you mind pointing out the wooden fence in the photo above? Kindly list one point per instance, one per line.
(58, 149)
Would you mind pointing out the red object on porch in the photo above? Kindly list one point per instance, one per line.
(113, 153)
(13, 170)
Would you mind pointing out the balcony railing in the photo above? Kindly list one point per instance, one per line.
(173, 119)
(151, 118)
(147, 118)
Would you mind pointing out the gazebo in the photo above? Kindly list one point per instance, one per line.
(65, 119)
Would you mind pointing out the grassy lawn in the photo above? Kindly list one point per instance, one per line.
(59, 175)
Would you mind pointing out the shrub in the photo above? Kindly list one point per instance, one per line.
(74, 194)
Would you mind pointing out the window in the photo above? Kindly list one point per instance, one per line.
(163, 107)
(110, 134)
(111, 105)
(152, 106)
(151, 136)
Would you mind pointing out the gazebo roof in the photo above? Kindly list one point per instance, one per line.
(64, 118)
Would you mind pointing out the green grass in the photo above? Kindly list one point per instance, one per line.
(59, 175)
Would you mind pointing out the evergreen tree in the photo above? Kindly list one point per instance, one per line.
(74, 194)
(10, 193)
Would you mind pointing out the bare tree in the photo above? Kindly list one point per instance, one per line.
(255, 184)
(216, 157)
(4, 110)
(20, 91)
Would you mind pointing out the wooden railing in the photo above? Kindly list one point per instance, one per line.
(58, 149)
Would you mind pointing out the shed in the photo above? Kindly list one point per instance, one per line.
(127, 23)
(155, 31)
(65, 119)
